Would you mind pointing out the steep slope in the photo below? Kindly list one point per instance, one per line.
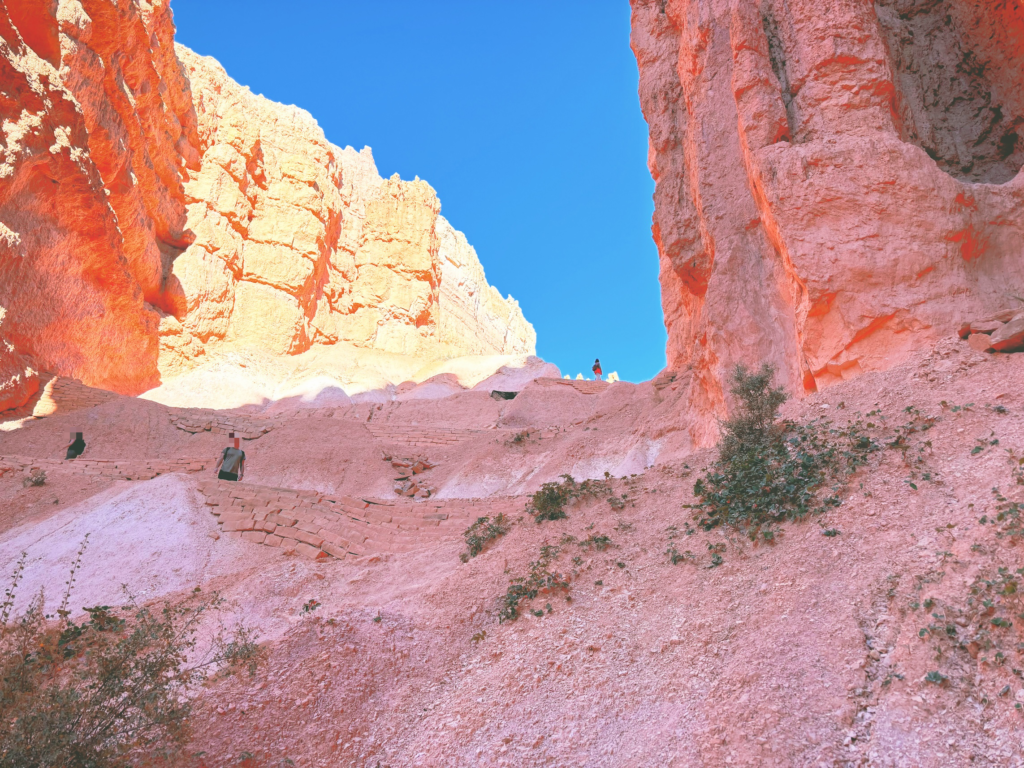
(836, 184)
(866, 646)
(152, 209)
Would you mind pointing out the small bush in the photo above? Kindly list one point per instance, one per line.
(541, 580)
(481, 533)
(110, 692)
(35, 478)
(597, 541)
(769, 471)
(310, 605)
(550, 501)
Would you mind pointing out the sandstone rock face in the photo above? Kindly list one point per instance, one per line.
(152, 209)
(91, 197)
(299, 242)
(837, 183)
(18, 382)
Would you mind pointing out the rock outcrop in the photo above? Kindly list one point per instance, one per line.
(152, 209)
(299, 242)
(91, 197)
(837, 183)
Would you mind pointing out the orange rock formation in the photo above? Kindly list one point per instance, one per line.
(152, 209)
(837, 183)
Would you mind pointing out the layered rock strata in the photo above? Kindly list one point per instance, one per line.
(837, 183)
(152, 209)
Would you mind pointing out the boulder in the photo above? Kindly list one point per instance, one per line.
(1010, 337)
(981, 342)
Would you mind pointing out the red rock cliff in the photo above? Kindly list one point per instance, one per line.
(97, 126)
(151, 208)
(837, 181)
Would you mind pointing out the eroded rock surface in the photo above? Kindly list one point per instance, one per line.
(152, 209)
(837, 183)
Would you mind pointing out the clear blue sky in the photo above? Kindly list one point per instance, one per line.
(522, 114)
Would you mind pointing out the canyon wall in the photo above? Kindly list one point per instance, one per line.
(837, 182)
(299, 242)
(152, 210)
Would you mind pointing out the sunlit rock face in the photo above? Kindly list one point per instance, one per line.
(837, 182)
(299, 242)
(91, 196)
(152, 209)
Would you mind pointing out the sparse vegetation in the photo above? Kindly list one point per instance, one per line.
(310, 605)
(542, 579)
(519, 438)
(985, 629)
(110, 691)
(597, 541)
(550, 501)
(481, 533)
(1008, 518)
(769, 471)
(674, 555)
(35, 478)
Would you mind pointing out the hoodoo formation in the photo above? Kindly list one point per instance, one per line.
(837, 183)
(290, 385)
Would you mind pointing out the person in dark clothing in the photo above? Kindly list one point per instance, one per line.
(231, 465)
(597, 370)
(76, 446)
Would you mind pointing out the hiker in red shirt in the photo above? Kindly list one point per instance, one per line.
(597, 370)
(231, 465)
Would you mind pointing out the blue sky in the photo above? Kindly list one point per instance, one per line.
(522, 114)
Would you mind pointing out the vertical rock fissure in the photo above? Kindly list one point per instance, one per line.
(777, 57)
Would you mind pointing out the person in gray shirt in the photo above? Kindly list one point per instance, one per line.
(231, 465)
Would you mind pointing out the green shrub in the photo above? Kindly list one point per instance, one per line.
(550, 501)
(541, 579)
(110, 692)
(481, 533)
(769, 471)
(597, 541)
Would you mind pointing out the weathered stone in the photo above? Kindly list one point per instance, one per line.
(1010, 337)
(311, 552)
(798, 215)
(981, 342)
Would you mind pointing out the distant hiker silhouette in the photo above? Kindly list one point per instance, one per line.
(76, 446)
(597, 369)
(231, 465)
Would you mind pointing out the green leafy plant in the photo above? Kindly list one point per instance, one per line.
(482, 533)
(310, 605)
(674, 555)
(541, 579)
(983, 628)
(112, 690)
(769, 471)
(597, 541)
(550, 501)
